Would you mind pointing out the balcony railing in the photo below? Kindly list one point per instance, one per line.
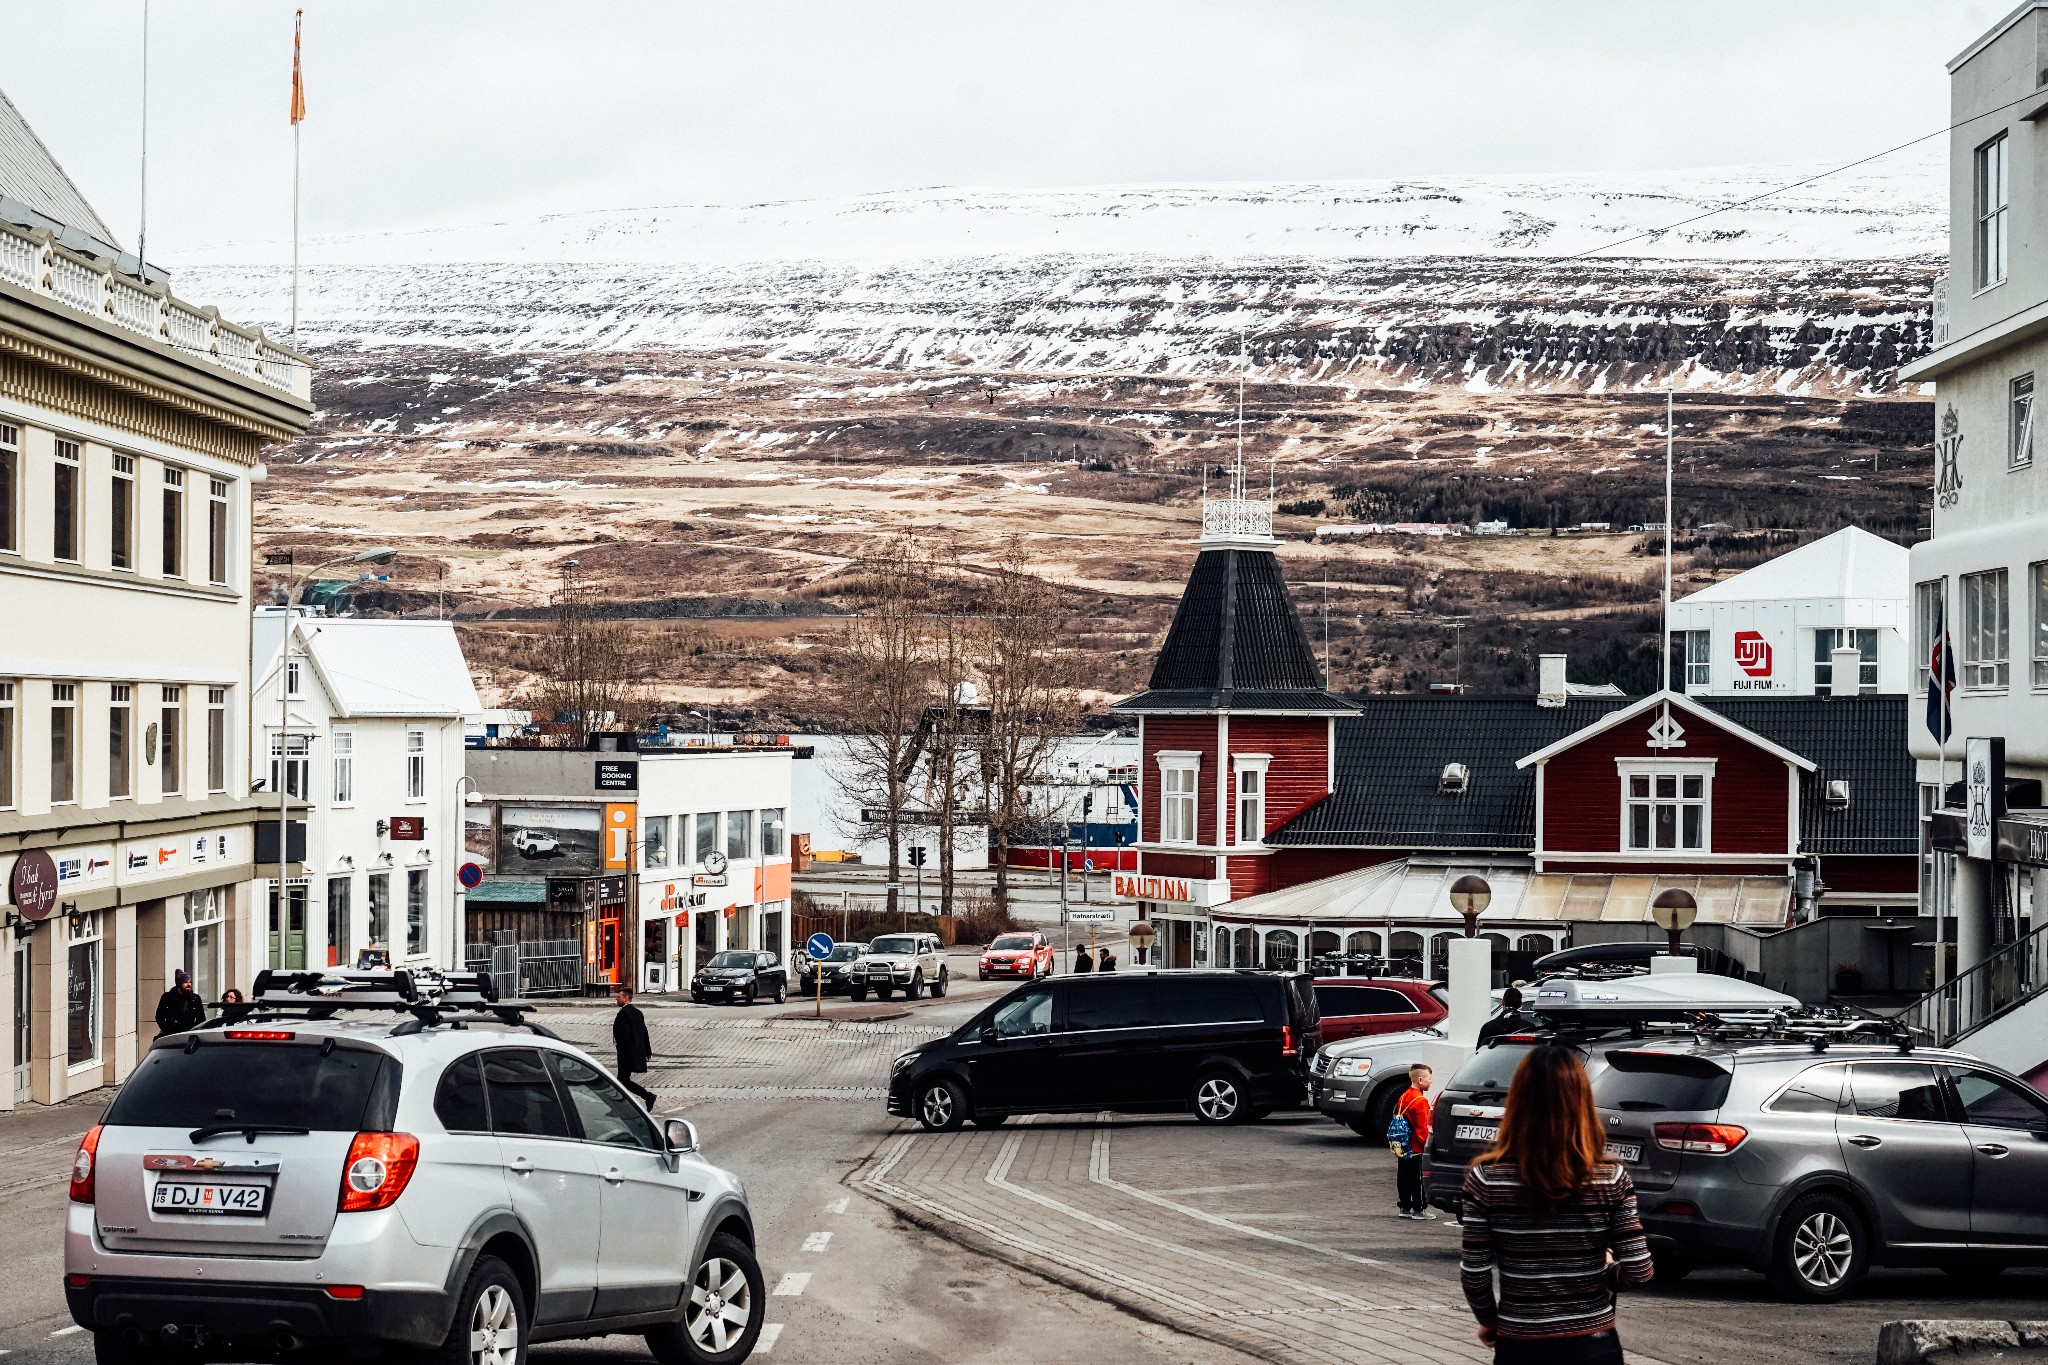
(2009, 977)
(33, 260)
(1237, 519)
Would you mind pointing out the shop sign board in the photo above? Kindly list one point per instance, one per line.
(617, 775)
(620, 819)
(1090, 914)
(32, 886)
(1984, 793)
(1197, 891)
(411, 827)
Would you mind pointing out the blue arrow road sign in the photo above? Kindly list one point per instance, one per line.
(819, 946)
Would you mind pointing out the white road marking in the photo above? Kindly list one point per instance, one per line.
(817, 1241)
(766, 1343)
(67, 1331)
(837, 1206)
(793, 1283)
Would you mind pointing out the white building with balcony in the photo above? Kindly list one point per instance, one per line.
(132, 429)
(363, 721)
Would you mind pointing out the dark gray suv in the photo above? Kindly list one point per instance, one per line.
(1813, 1165)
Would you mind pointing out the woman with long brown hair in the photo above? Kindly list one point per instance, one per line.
(1547, 1209)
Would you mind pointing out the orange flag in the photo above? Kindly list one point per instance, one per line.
(298, 81)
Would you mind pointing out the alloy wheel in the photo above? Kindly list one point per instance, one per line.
(937, 1109)
(721, 1305)
(1823, 1249)
(1216, 1098)
(494, 1328)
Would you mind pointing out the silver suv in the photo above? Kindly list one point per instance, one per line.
(374, 1160)
(1813, 1165)
(906, 962)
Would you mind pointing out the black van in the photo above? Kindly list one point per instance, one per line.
(1230, 1045)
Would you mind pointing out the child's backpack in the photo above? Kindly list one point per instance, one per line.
(1399, 1136)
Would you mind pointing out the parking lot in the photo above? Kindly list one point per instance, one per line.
(1071, 1239)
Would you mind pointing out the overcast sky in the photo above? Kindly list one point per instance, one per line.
(430, 114)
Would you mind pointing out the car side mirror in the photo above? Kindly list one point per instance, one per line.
(681, 1135)
(990, 1036)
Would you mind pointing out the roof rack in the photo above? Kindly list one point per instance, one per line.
(429, 997)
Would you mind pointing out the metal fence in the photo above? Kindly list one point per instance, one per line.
(1987, 990)
(552, 966)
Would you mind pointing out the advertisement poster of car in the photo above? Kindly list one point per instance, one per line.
(561, 839)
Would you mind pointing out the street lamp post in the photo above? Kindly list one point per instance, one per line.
(475, 798)
(1674, 910)
(1470, 963)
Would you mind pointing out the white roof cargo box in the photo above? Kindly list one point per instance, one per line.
(1660, 996)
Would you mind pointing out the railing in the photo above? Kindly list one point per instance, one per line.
(1236, 519)
(2009, 977)
(34, 261)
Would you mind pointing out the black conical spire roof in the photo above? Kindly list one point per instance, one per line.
(1236, 643)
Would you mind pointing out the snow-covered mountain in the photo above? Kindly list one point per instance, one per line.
(1408, 282)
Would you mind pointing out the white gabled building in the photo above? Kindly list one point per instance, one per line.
(1775, 629)
(365, 720)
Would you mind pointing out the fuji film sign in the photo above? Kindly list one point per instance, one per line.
(1137, 886)
(1755, 662)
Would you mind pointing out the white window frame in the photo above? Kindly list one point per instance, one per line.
(415, 765)
(64, 696)
(218, 756)
(1927, 598)
(1991, 197)
(1824, 659)
(291, 755)
(294, 677)
(10, 740)
(1986, 646)
(121, 528)
(172, 547)
(1253, 802)
(2019, 451)
(344, 767)
(1178, 768)
(219, 532)
(171, 749)
(1699, 660)
(10, 488)
(656, 826)
(70, 455)
(1678, 769)
(2037, 584)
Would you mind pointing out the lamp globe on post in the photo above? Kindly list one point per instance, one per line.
(1674, 910)
(1470, 895)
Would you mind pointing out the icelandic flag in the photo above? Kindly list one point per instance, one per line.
(1941, 679)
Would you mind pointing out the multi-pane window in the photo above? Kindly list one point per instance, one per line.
(2019, 450)
(1699, 657)
(63, 742)
(415, 911)
(706, 836)
(415, 765)
(2038, 576)
(64, 502)
(1990, 205)
(1826, 642)
(291, 763)
(654, 841)
(217, 531)
(1251, 805)
(10, 486)
(174, 523)
(7, 733)
(216, 739)
(293, 678)
(1926, 623)
(121, 514)
(171, 741)
(120, 741)
(1986, 612)
(1177, 803)
(380, 909)
(344, 767)
(1664, 810)
(739, 841)
(771, 834)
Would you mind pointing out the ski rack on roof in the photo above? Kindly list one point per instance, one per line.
(429, 996)
(1815, 1026)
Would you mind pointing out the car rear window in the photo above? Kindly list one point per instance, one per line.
(1304, 1012)
(1490, 1068)
(1659, 1082)
(1343, 1000)
(291, 1085)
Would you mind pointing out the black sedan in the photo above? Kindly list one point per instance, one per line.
(738, 977)
(834, 967)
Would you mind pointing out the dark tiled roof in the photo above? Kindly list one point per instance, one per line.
(1861, 739)
(1236, 643)
(1391, 754)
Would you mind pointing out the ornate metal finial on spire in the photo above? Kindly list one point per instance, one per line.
(1237, 519)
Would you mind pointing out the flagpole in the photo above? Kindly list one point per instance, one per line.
(298, 116)
(142, 227)
(1945, 901)
(1669, 437)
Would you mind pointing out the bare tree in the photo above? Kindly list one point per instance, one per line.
(953, 717)
(879, 696)
(1028, 686)
(590, 662)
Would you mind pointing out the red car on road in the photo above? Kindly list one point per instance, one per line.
(1024, 956)
(1354, 1006)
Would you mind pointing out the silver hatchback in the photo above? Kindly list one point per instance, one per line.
(356, 1161)
(1813, 1165)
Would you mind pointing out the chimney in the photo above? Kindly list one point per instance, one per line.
(1847, 672)
(1550, 680)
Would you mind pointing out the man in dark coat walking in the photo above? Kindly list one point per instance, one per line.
(630, 1040)
(179, 1009)
(1083, 962)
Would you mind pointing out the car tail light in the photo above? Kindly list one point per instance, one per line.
(77, 1281)
(1714, 1138)
(82, 1166)
(262, 1035)
(378, 1167)
(1287, 1047)
(1679, 1208)
(344, 1291)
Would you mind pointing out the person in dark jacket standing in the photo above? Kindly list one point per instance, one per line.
(1106, 962)
(1082, 961)
(179, 1009)
(1509, 1020)
(630, 1041)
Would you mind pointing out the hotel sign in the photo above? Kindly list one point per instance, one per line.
(1195, 891)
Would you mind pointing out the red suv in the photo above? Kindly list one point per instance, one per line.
(1355, 1006)
(1024, 956)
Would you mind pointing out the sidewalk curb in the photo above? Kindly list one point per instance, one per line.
(1929, 1341)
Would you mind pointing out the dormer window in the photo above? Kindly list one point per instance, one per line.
(1454, 779)
(1178, 775)
(1665, 805)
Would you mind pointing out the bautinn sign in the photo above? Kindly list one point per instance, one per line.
(1135, 886)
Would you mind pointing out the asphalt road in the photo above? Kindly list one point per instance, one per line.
(1077, 1239)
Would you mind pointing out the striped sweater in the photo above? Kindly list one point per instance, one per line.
(1554, 1279)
